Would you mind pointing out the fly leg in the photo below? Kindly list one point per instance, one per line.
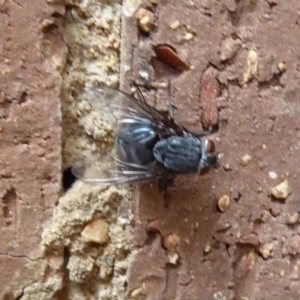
(170, 111)
(211, 129)
(141, 97)
(170, 106)
(140, 94)
(207, 131)
(165, 184)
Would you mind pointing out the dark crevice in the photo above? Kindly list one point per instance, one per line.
(68, 179)
(275, 81)
(8, 205)
(237, 197)
(272, 4)
(56, 15)
(151, 237)
(64, 292)
(50, 29)
(23, 98)
(18, 297)
(22, 292)
(66, 256)
(207, 14)
(227, 246)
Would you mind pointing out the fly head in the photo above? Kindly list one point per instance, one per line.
(208, 156)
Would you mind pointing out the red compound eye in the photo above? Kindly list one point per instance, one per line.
(210, 146)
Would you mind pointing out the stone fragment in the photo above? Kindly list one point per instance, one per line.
(250, 238)
(175, 25)
(282, 190)
(293, 219)
(246, 159)
(265, 250)
(229, 48)
(174, 259)
(95, 231)
(252, 65)
(223, 203)
(295, 245)
(145, 19)
(171, 241)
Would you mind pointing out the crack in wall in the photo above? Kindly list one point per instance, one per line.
(92, 31)
(21, 256)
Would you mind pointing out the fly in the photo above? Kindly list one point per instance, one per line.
(148, 144)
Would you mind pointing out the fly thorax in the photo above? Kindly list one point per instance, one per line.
(179, 154)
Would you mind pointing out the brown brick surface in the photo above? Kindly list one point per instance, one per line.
(31, 51)
(251, 49)
(187, 248)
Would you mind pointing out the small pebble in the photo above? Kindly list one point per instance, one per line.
(281, 67)
(145, 19)
(175, 25)
(229, 48)
(227, 167)
(207, 248)
(294, 274)
(246, 159)
(188, 36)
(252, 65)
(293, 219)
(282, 190)
(272, 175)
(136, 292)
(295, 245)
(174, 259)
(250, 238)
(144, 75)
(266, 250)
(90, 22)
(218, 296)
(95, 231)
(223, 203)
(187, 241)
(170, 241)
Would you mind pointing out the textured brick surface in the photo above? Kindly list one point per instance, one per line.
(30, 136)
(188, 249)
(247, 250)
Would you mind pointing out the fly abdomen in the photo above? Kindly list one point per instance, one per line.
(179, 154)
(135, 143)
(138, 133)
(134, 154)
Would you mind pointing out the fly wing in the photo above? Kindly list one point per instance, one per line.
(108, 170)
(137, 126)
(144, 122)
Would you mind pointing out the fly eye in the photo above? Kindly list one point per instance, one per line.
(210, 146)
